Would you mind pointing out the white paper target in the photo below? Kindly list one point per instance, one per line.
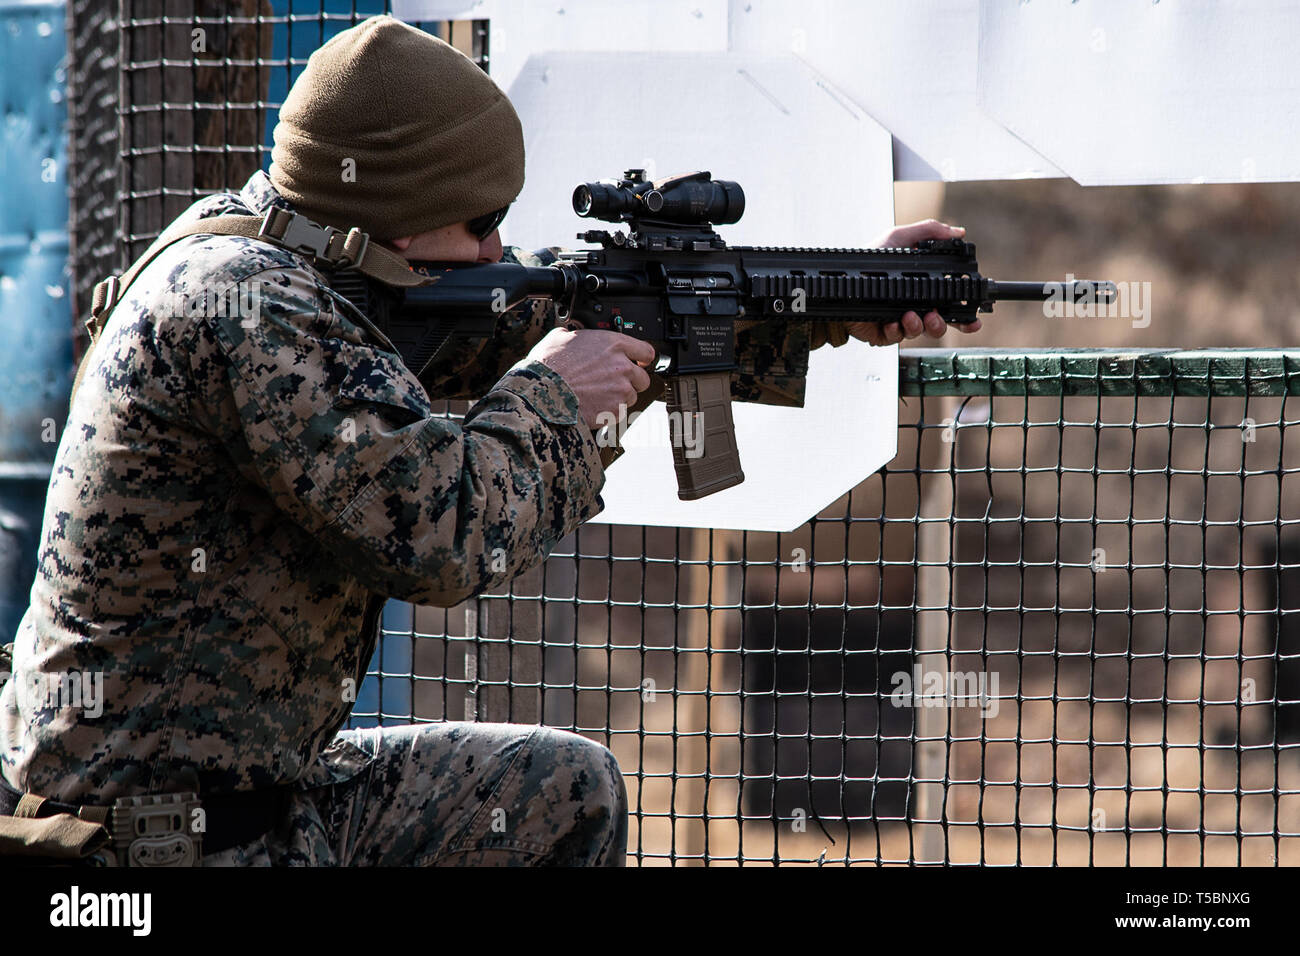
(796, 460)
(816, 172)
(1194, 91)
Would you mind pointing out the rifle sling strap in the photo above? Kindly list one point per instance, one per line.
(332, 247)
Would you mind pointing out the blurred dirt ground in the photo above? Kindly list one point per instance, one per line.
(1222, 260)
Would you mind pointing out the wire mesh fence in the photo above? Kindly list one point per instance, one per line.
(171, 100)
(1059, 627)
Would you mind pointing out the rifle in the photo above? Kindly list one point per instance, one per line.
(672, 281)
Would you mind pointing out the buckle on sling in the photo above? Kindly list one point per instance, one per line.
(157, 830)
(104, 296)
(296, 232)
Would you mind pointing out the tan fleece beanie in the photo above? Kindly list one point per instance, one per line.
(431, 139)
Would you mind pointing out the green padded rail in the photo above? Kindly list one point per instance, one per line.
(991, 371)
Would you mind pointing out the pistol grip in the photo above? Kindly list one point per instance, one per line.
(700, 405)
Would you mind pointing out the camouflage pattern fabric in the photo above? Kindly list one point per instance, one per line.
(236, 491)
(247, 473)
(451, 794)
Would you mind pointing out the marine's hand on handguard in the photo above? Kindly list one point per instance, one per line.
(910, 325)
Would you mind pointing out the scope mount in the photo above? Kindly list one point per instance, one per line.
(654, 236)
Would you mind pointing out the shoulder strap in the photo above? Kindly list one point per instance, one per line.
(280, 227)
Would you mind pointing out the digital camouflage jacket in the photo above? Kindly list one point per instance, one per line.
(247, 472)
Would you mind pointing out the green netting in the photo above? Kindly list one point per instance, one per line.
(1096, 371)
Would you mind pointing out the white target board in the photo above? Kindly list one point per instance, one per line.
(1190, 91)
(1105, 91)
(796, 460)
(816, 172)
(912, 66)
(815, 169)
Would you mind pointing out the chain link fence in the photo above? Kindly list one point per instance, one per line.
(171, 100)
(1060, 627)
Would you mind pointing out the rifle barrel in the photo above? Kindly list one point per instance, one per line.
(1071, 291)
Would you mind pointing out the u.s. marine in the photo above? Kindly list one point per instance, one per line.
(239, 490)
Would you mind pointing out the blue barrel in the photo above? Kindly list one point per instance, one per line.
(35, 321)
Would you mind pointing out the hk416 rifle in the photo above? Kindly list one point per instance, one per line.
(671, 280)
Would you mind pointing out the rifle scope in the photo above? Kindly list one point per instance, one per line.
(690, 199)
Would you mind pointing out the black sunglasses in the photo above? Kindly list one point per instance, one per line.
(483, 226)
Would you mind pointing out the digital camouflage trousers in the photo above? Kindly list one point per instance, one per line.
(451, 794)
